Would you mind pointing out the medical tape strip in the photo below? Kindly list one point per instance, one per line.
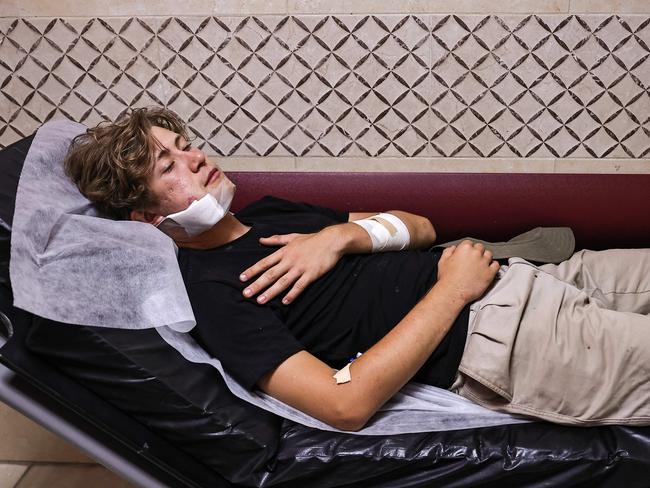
(343, 375)
(387, 232)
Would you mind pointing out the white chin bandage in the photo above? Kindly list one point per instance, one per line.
(202, 214)
(387, 232)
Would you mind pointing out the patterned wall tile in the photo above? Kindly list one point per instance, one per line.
(568, 86)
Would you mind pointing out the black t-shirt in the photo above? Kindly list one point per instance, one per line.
(345, 311)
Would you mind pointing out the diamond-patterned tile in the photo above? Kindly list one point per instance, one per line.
(409, 106)
(378, 85)
(587, 90)
(88, 90)
(24, 34)
(391, 53)
(637, 144)
(76, 108)
(544, 126)
(447, 142)
(600, 144)
(17, 90)
(551, 54)
(316, 124)
(486, 142)
(639, 109)
(410, 143)
(39, 108)
(612, 33)
(506, 124)
(621, 125)
(373, 142)
(390, 89)
(449, 32)
(468, 89)
(352, 123)
(296, 142)
(468, 124)
(449, 70)
(46, 54)
(529, 71)
(532, 32)
(334, 142)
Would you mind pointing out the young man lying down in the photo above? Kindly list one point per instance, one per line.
(287, 294)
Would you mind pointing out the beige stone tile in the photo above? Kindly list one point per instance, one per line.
(237, 7)
(426, 6)
(11, 473)
(461, 165)
(66, 476)
(445, 165)
(24, 440)
(256, 163)
(593, 166)
(610, 6)
(99, 8)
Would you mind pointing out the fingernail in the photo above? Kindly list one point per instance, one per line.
(285, 301)
(261, 298)
(243, 277)
(247, 292)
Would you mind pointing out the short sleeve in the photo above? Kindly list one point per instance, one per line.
(278, 206)
(249, 339)
(336, 215)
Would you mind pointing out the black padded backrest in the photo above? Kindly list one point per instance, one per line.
(11, 165)
(187, 403)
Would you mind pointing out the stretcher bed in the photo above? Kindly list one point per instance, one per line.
(134, 404)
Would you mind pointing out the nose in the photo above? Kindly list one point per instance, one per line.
(195, 159)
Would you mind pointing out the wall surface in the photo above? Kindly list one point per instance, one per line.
(548, 86)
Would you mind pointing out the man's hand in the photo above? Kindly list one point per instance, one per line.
(303, 259)
(467, 270)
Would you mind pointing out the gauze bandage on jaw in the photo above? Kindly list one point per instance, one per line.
(387, 232)
(202, 214)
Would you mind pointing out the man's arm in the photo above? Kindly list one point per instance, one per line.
(306, 383)
(303, 258)
(420, 229)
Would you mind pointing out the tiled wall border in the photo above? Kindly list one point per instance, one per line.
(436, 165)
(388, 163)
(36, 8)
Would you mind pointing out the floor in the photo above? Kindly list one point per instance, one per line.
(32, 457)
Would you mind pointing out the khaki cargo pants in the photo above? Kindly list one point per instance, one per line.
(568, 343)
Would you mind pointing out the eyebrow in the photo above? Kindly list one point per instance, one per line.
(164, 151)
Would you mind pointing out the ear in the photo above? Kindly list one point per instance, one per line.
(147, 217)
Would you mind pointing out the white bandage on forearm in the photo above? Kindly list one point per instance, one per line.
(387, 232)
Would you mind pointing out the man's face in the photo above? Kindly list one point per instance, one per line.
(181, 173)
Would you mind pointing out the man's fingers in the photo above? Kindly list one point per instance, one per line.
(479, 247)
(267, 278)
(278, 240)
(297, 289)
(448, 251)
(261, 265)
(281, 284)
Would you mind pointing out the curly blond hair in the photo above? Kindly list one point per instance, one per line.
(111, 162)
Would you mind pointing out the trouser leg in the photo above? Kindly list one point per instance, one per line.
(619, 279)
(547, 343)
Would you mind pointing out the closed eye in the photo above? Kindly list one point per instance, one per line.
(168, 168)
